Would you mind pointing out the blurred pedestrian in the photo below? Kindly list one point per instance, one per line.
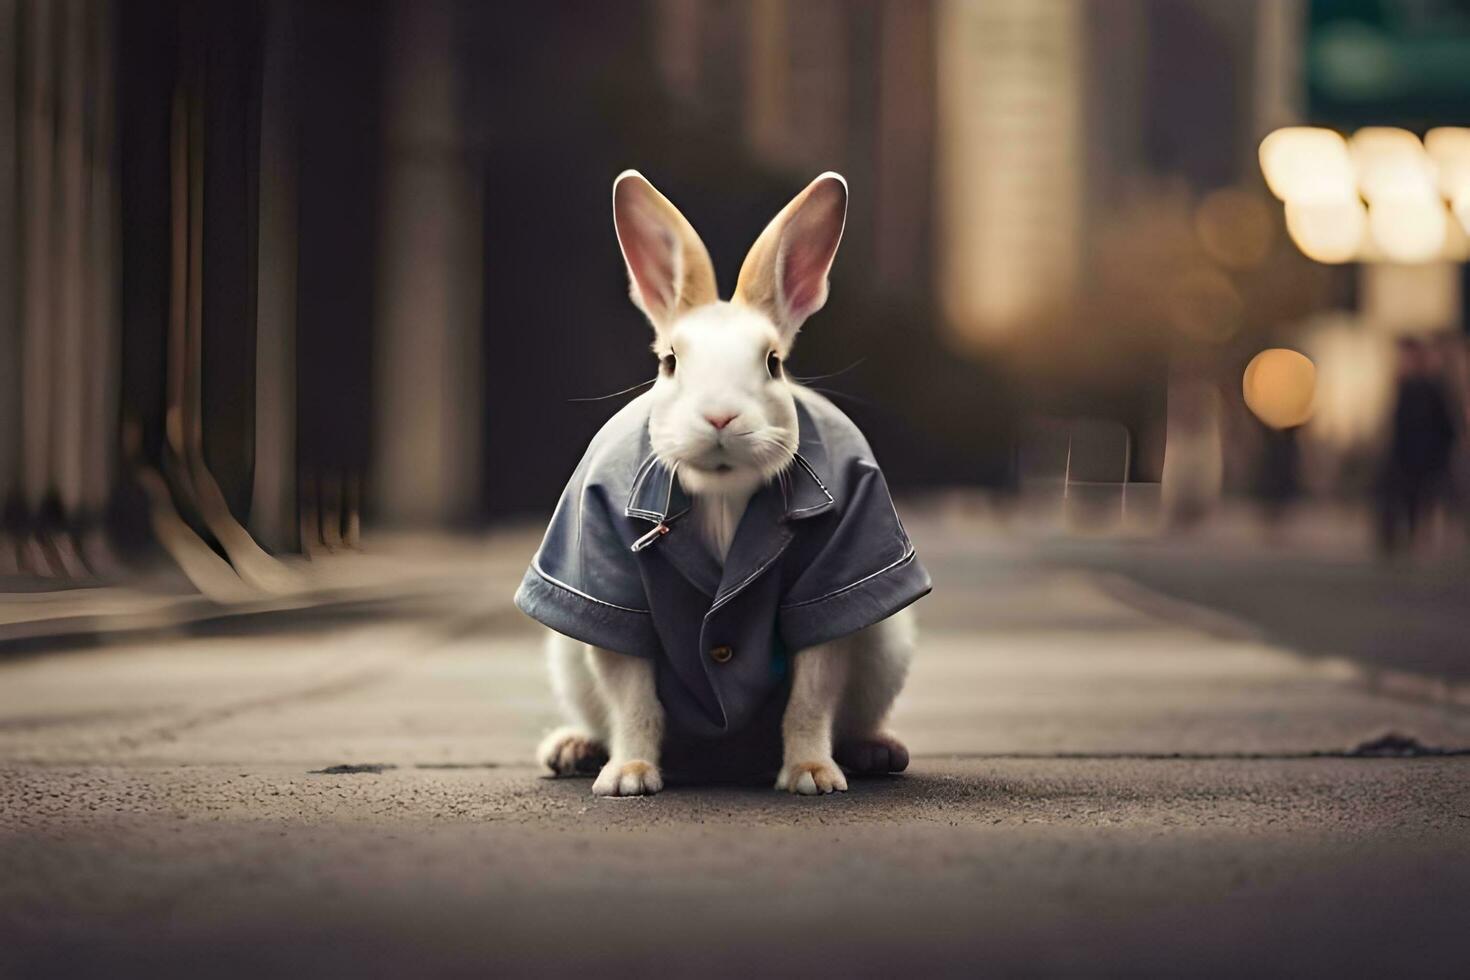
(1454, 354)
(1422, 435)
(1278, 480)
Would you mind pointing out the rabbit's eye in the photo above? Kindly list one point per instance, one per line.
(773, 365)
(668, 363)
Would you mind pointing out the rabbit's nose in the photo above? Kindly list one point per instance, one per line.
(719, 421)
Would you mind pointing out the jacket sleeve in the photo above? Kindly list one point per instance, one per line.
(584, 581)
(863, 569)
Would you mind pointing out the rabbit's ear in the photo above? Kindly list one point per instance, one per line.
(669, 271)
(785, 273)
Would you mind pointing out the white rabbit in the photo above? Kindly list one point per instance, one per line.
(767, 509)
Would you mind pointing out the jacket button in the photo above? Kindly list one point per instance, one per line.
(721, 654)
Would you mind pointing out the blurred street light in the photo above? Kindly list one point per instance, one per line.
(1307, 165)
(1449, 148)
(1408, 231)
(1354, 385)
(1462, 209)
(1409, 187)
(1391, 166)
(1279, 386)
(1327, 231)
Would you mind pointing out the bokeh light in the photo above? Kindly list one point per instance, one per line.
(1327, 231)
(1456, 240)
(1408, 230)
(1405, 182)
(1354, 382)
(1391, 165)
(1279, 387)
(1449, 148)
(1306, 164)
(1461, 207)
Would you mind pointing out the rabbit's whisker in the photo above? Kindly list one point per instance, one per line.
(599, 398)
(834, 393)
(823, 377)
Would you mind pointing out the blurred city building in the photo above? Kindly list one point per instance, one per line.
(271, 269)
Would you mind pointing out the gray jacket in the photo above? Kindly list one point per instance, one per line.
(819, 554)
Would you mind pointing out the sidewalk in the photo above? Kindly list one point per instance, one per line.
(394, 568)
(1013, 624)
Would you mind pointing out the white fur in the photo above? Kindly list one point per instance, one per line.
(716, 517)
(575, 687)
(635, 724)
(841, 691)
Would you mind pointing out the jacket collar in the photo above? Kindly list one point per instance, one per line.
(656, 495)
(803, 490)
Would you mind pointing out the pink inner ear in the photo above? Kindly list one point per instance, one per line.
(811, 241)
(649, 247)
(804, 279)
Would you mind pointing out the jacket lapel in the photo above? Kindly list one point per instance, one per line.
(761, 536)
(658, 498)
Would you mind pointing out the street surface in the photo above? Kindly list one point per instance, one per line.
(1108, 777)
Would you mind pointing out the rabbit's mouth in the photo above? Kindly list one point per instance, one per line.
(728, 456)
(704, 466)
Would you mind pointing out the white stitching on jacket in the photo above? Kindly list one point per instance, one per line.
(908, 557)
(590, 598)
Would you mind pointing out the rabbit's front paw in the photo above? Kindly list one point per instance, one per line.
(569, 752)
(636, 778)
(873, 756)
(812, 778)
